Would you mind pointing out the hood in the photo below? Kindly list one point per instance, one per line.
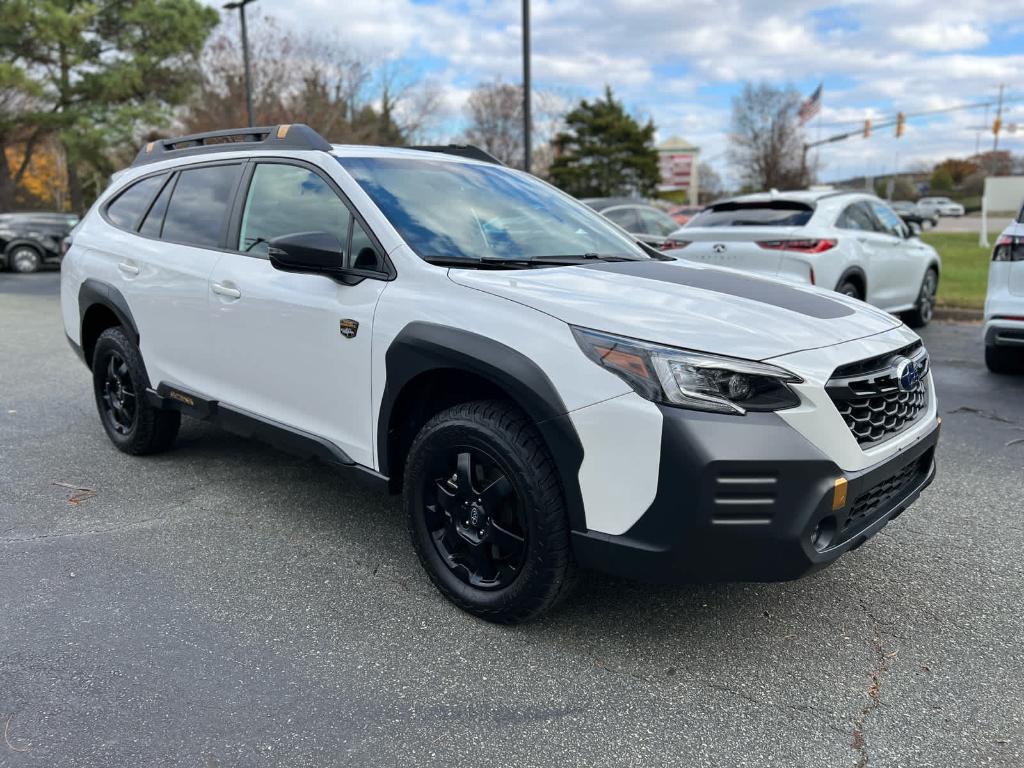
(686, 305)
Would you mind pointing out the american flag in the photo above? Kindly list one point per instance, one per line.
(811, 106)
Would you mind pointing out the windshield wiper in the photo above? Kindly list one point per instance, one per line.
(576, 258)
(479, 263)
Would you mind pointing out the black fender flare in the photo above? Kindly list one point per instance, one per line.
(422, 347)
(96, 292)
(19, 241)
(851, 272)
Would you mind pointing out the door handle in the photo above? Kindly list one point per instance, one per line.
(226, 290)
(128, 268)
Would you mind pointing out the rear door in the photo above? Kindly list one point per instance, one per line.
(873, 244)
(296, 347)
(178, 226)
(901, 258)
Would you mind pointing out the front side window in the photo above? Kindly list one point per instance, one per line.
(129, 206)
(655, 222)
(624, 217)
(286, 199)
(199, 205)
(445, 209)
(891, 223)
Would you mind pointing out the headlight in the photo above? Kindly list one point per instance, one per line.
(691, 379)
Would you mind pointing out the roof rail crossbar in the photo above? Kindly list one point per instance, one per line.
(286, 136)
(461, 150)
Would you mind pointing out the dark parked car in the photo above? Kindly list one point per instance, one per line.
(916, 219)
(644, 222)
(30, 240)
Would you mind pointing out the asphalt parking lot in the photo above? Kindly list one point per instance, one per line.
(225, 604)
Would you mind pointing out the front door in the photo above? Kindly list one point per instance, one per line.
(295, 348)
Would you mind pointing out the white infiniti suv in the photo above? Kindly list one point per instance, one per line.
(848, 242)
(545, 393)
(1004, 302)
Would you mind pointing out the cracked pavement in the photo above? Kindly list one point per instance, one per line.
(225, 604)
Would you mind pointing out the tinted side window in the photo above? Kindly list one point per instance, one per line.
(199, 205)
(657, 223)
(154, 220)
(856, 217)
(285, 199)
(625, 218)
(129, 206)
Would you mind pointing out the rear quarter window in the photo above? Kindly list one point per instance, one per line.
(779, 213)
(128, 207)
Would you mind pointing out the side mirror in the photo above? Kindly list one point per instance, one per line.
(317, 253)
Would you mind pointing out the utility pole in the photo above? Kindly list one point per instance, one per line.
(527, 121)
(998, 124)
(240, 5)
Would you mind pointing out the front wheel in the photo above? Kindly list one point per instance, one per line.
(924, 309)
(486, 512)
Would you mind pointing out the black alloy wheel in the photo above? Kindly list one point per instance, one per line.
(133, 424)
(120, 400)
(475, 518)
(486, 512)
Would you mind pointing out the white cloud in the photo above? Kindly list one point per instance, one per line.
(679, 63)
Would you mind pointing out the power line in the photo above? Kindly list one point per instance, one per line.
(928, 112)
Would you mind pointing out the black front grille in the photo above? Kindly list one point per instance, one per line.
(874, 405)
(885, 494)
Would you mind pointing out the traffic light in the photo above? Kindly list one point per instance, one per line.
(867, 128)
(997, 125)
(901, 121)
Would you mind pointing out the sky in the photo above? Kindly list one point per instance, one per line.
(681, 63)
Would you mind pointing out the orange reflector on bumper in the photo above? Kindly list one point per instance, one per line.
(839, 494)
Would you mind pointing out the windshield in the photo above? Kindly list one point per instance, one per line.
(468, 211)
(778, 213)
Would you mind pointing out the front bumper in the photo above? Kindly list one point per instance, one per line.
(749, 499)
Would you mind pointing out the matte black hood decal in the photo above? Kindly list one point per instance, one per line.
(722, 281)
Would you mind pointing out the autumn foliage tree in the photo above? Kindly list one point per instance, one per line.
(91, 74)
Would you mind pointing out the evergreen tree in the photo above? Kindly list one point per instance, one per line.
(93, 73)
(603, 152)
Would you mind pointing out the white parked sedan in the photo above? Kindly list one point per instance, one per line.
(939, 206)
(850, 242)
(1004, 302)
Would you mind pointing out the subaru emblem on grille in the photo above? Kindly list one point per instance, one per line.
(906, 375)
(718, 247)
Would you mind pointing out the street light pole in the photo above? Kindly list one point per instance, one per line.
(527, 121)
(240, 5)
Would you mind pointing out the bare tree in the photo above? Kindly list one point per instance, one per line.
(710, 184)
(494, 114)
(766, 140)
(347, 97)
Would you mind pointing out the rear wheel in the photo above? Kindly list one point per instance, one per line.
(851, 289)
(24, 259)
(119, 383)
(486, 512)
(924, 310)
(1003, 359)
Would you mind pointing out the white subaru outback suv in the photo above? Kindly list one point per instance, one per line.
(1004, 302)
(546, 393)
(850, 242)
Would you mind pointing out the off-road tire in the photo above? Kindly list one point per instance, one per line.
(151, 429)
(508, 435)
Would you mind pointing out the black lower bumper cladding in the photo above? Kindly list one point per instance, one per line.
(749, 499)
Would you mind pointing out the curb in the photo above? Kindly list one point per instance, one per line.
(959, 314)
